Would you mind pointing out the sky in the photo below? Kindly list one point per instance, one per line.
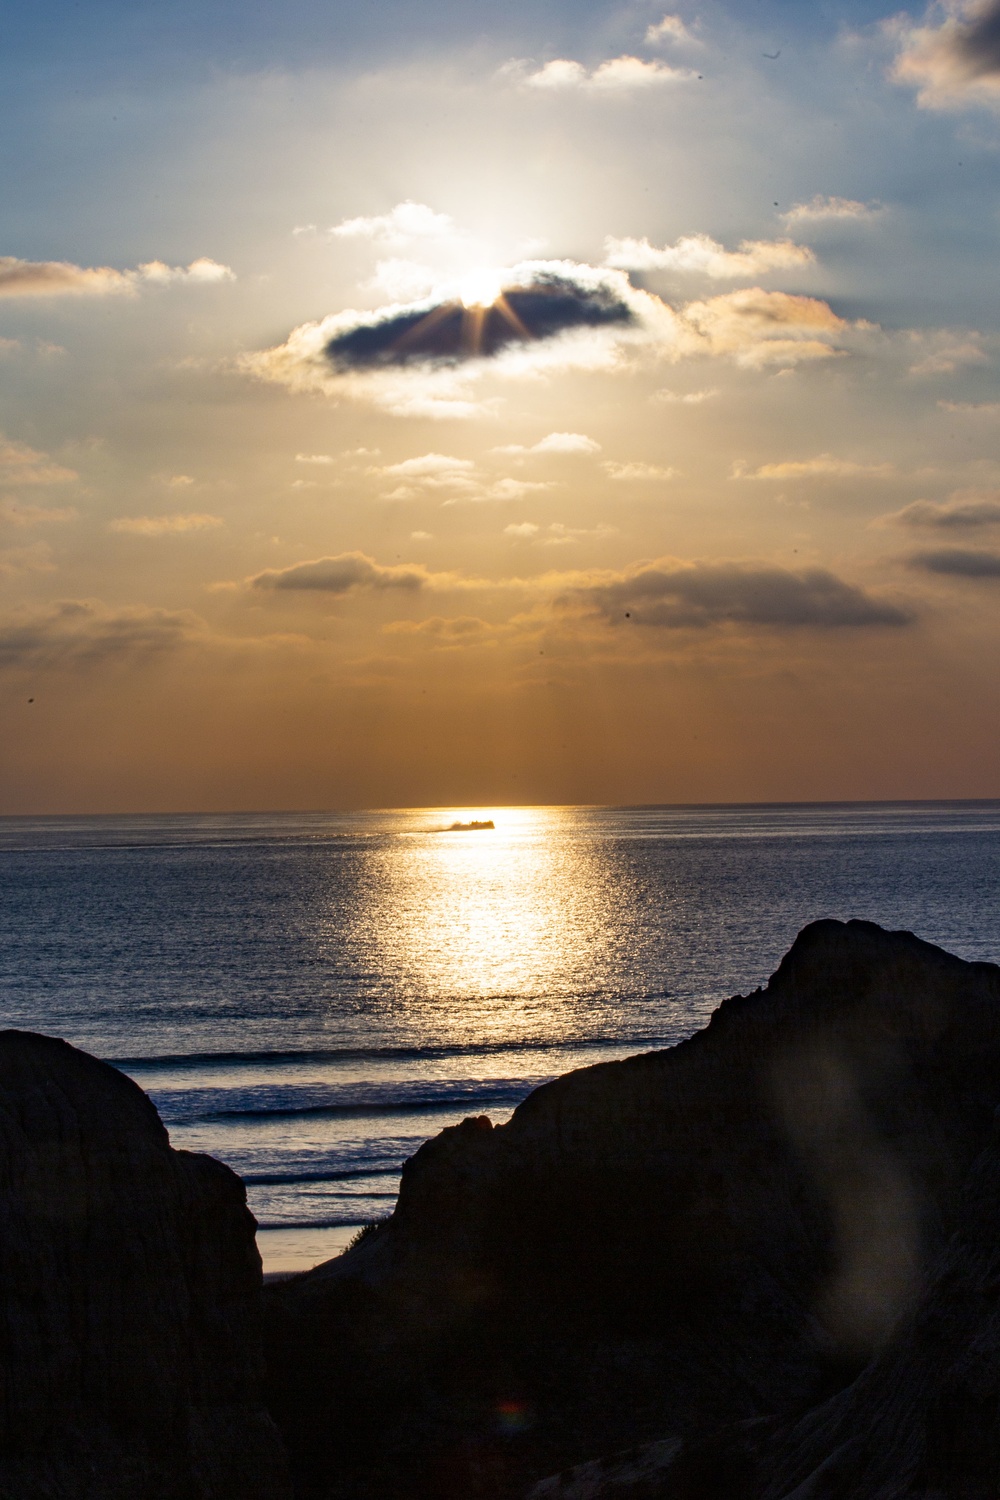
(457, 404)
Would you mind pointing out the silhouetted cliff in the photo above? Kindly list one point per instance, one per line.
(130, 1361)
(771, 1251)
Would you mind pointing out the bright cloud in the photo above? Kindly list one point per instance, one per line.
(821, 209)
(948, 352)
(481, 490)
(403, 224)
(430, 471)
(57, 278)
(566, 442)
(459, 479)
(402, 280)
(825, 466)
(172, 525)
(204, 271)
(554, 442)
(688, 398)
(509, 489)
(556, 534)
(757, 328)
(700, 255)
(636, 471)
(672, 30)
(429, 467)
(618, 75)
(20, 464)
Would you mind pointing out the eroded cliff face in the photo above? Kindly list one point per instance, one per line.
(130, 1359)
(741, 1249)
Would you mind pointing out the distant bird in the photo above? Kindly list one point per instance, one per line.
(772, 55)
(31, 700)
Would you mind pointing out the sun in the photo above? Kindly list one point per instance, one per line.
(481, 288)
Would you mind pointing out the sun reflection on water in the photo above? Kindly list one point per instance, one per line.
(518, 912)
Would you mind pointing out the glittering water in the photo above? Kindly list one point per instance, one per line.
(309, 997)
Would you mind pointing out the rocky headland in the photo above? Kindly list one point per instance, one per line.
(130, 1347)
(761, 1265)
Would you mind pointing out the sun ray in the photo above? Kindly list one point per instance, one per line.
(473, 327)
(474, 311)
(503, 307)
(417, 331)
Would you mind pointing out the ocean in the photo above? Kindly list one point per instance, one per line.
(310, 996)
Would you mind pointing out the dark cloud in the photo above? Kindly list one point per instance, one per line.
(958, 513)
(339, 575)
(539, 307)
(703, 594)
(81, 632)
(958, 562)
(976, 42)
(957, 61)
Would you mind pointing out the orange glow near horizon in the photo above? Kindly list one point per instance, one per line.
(638, 508)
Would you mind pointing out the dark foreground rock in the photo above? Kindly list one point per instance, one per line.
(130, 1361)
(771, 1255)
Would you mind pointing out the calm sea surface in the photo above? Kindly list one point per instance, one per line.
(309, 997)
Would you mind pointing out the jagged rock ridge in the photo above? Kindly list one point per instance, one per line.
(770, 1246)
(130, 1358)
